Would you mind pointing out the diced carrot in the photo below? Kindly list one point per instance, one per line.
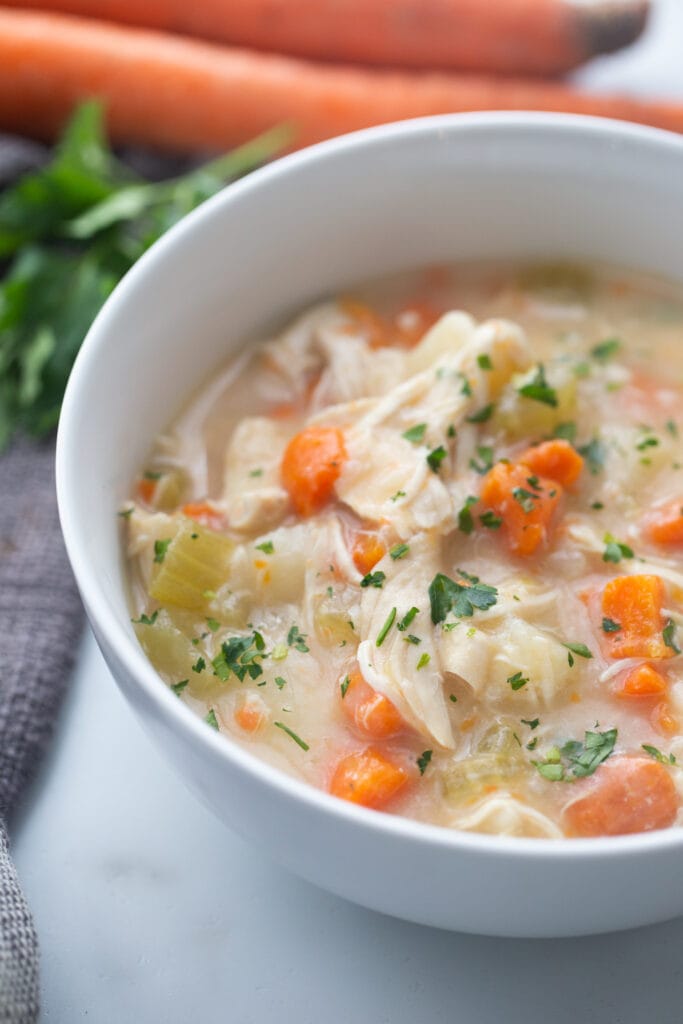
(626, 794)
(204, 513)
(147, 489)
(369, 778)
(405, 329)
(636, 603)
(556, 460)
(525, 502)
(367, 551)
(250, 715)
(311, 464)
(369, 711)
(663, 719)
(665, 525)
(643, 681)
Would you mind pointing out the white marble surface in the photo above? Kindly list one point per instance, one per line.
(149, 911)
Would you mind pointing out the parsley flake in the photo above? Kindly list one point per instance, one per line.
(481, 415)
(484, 361)
(518, 680)
(436, 457)
(267, 547)
(533, 723)
(446, 595)
(610, 626)
(606, 349)
(292, 735)
(423, 660)
(484, 462)
(407, 619)
(199, 665)
(344, 685)
(465, 518)
(615, 550)
(381, 636)
(179, 687)
(160, 549)
(280, 682)
(579, 649)
(213, 624)
(415, 434)
(297, 640)
(490, 520)
(538, 389)
(146, 620)
(565, 431)
(658, 755)
(373, 579)
(240, 655)
(668, 633)
(212, 720)
(594, 454)
(423, 760)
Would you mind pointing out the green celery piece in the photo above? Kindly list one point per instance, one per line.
(197, 561)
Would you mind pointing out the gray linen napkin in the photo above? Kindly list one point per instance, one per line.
(40, 623)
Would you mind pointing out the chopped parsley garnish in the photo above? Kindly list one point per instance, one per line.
(453, 698)
(446, 595)
(241, 655)
(594, 454)
(597, 505)
(415, 434)
(179, 687)
(160, 549)
(576, 760)
(424, 660)
(531, 722)
(532, 744)
(647, 442)
(668, 633)
(465, 518)
(524, 498)
(565, 431)
(518, 680)
(344, 685)
(423, 760)
(466, 388)
(410, 639)
(407, 619)
(672, 428)
(490, 520)
(538, 389)
(199, 665)
(373, 579)
(146, 620)
(484, 361)
(451, 432)
(149, 475)
(610, 626)
(256, 472)
(212, 720)
(615, 550)
(292, 735)
(381, 636)
(579, 649)
(213, 624)
(436, 457)
(658, 755)
(606, 349)
(481, 415)
(399, 551)
(125, 513)
(267, 547)
(280, 682)
(399, 494)
(484, 462)
(297, 640)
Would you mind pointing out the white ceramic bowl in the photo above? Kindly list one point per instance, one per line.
(469, 187)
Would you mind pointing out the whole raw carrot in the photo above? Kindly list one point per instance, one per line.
(524, 36)
(180, 94)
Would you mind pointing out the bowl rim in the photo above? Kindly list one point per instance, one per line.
(166, 705)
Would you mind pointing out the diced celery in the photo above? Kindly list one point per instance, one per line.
(498, 761)
(170, 490)
(332, 622)
(194, 567)
(169, 650)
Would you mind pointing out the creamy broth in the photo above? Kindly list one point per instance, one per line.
(429, 560)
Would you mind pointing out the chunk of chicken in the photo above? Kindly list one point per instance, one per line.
(253, 497)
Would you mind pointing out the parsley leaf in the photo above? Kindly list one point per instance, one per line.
(594, 454)
(518, 680)
(212, 720)
(160, 549)
(292, 735)
(669, 635)
(407, 619)
(484, 361)
(423, 760)
(565, 431)
(524, 498)
(424, 659)
(610, 626)
(344, 685)
(615, 550)
(415, 434)
(606, 349)
(146, 620)
(446, 595)
(241, 655)
(373, 579)
(267, 547)
(484, 462)
(490, 520)
(280, 682)
(481, 415)
(179, 687)
(579, 649)
(658, 755)
(538, 389)
(297, 640)
(465, 518)
(585, 757)
(436, 457)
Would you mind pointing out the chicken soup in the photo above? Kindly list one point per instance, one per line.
(422, 550)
